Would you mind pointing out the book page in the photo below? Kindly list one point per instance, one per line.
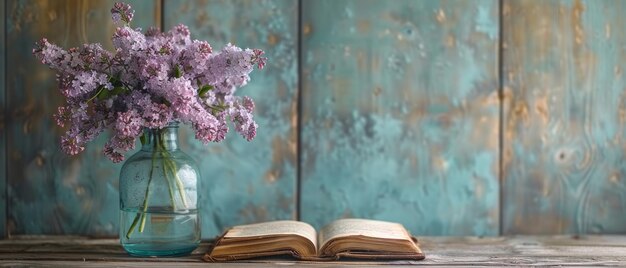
(273, 228)
(371, 228)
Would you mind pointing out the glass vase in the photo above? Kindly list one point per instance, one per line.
(159, 197)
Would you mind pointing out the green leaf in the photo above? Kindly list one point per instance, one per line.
(162, 100)
(177, 72)
(115, 81)
(105, 93)
(100, 89)
(203, 90)
(143, 140)
(117, 90)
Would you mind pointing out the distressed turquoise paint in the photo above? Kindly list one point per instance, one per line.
(3, 136)
(485, 23)
(246, 182)
(400, 114)
(565, 114)
(49, 192)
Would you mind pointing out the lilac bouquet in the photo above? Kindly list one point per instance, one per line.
(150, 80)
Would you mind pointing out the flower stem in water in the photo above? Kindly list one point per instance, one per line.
(167, 180)
(179, 183)
(145, 204)
(171, 178)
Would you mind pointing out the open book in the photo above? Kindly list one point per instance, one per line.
(352, 238)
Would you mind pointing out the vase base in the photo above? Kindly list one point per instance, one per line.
(165, 250)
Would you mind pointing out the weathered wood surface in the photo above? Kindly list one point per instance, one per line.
(254, 181)
(3, 129)
(400, 116)
(49, 192)
(440, 251)
(400, 113)
(564, 117)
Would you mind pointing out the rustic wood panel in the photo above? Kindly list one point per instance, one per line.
(564, 118)
(400, 113)
(3, 131)
(440, 251)
(49, 192)
(249, 181)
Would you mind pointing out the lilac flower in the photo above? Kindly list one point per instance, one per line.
(181, 94)
(205, 132)
(157, 115)
(109, 151)
(128, 40)
(222, 128)
(154, 69)
(93, 56)
(153, 115)
(251, 131)
(65, 84)
(116, 146)
(123, 12)
(52, 55)
(149, 81)
(71, 145)
(87, 82)
(229, 69)
(260, 61)
(61, 116)
(128, 124)
(180, 35)
(153, 31)
(244, 123)
(248, 104)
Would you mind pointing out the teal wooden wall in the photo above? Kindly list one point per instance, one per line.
(389, 89)
(249, 181)
(564, 116)
(48, 191)
(3, 120)
(452, 117)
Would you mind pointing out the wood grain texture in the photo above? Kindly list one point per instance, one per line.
(440, 251)
(400, 114)
(564, 118)
(49, 192)
(3, 129)
(246, 182)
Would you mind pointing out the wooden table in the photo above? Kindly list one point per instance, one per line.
(67, 251)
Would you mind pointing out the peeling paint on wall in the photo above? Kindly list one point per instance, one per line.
(564, 136)
(397, 125)
(247, 182)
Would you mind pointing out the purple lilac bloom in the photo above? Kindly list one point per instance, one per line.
(149, 81)
(122, 12)
(128, 124)
(87, 82)
(244, 122)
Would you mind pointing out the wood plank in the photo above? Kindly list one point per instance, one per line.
(244, 181)
(172, 264)
(3, 129)
(49, 192)
(400, 114)
(564, 117)
(591, 250)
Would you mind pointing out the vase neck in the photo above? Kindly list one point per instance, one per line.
(165, 139)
